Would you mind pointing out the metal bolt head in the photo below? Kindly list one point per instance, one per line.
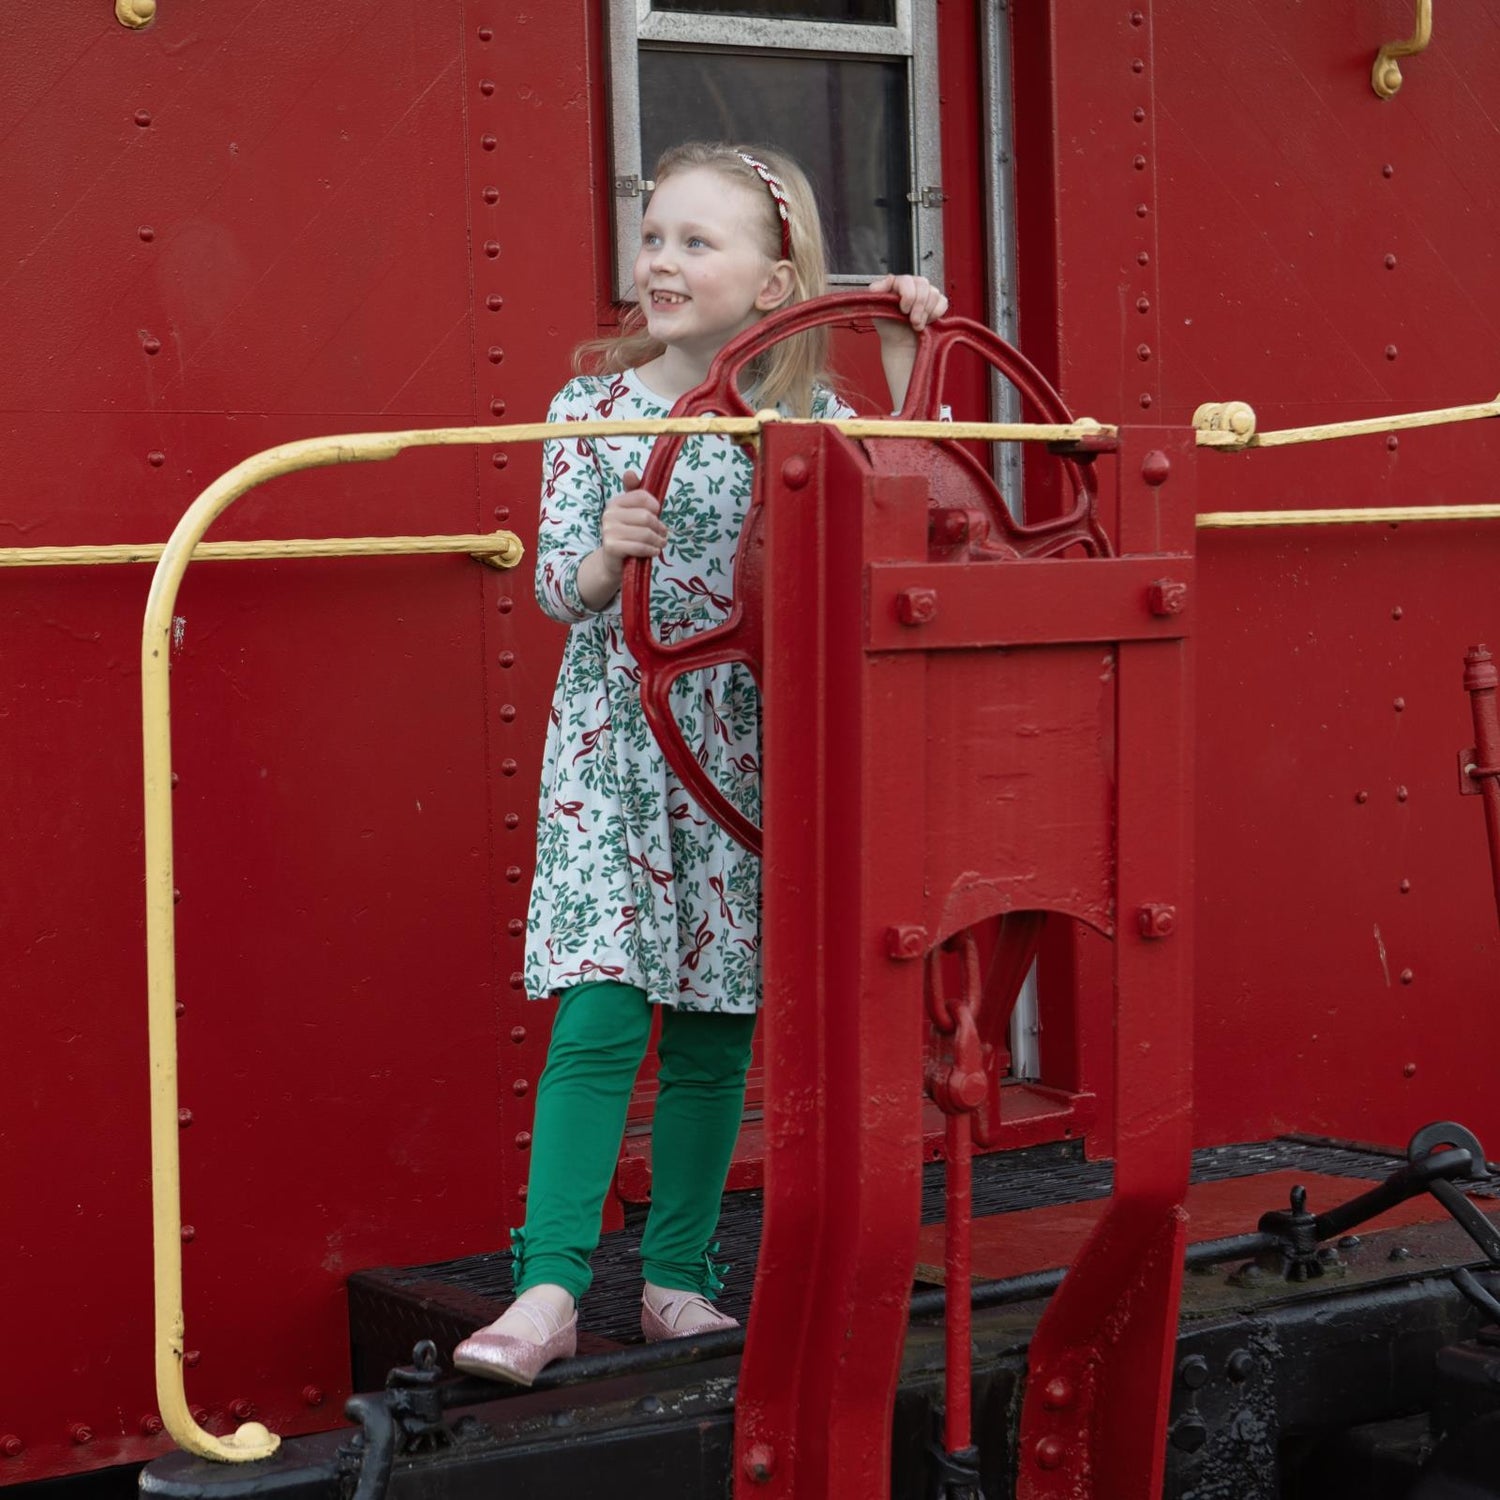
(1189, 1433)
(1049, 1453)
(1156, 467)
(312, 1395)
(1167, 596)
(150, 1425)
(1157, 920)
(1241, 1365)
(760, 1462)
(11, 1446)
(916, 606)
(908, 941)
(1193, 1372)
(1058, 1394)
(795, 473)
(242, 1409)
(81, 1433)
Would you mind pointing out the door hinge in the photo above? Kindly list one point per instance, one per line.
(928, 197)
(633, 186)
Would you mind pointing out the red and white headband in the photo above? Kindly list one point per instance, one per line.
(778, 196)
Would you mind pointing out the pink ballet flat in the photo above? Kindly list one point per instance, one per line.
(659, 1325)
(503, 1356)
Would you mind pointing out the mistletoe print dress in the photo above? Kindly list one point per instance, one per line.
(634, 883)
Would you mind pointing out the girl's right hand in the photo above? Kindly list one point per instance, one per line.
(631, 526)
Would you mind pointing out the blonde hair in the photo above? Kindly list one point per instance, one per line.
(787, 373)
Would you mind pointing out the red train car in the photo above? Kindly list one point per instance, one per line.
(233, 227)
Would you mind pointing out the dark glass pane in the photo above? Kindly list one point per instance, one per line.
(865, 12)
(844, 121)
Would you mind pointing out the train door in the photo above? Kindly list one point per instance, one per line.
(900, 116)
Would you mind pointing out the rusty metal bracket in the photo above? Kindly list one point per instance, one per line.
(1385, 76)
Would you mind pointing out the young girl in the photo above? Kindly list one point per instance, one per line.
(640, 901)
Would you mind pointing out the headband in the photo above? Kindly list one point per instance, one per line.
(778, 197)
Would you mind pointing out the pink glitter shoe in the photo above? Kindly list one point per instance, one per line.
(662, 1321)
(504, 1356)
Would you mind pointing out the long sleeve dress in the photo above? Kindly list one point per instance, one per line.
(634, 882)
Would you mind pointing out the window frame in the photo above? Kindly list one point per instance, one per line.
(633, 24)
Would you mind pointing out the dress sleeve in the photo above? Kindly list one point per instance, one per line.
(573, 497)
(829, 405)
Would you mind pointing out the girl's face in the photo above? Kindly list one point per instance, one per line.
(702, 273)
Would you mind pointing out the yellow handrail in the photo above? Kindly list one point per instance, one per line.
(498, 548)
(1368, 515)
(1230, 425)
(253, 1440)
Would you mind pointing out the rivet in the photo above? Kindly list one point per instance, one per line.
(795, 473)
(494, 302)
(523, 1139)
(1390, 351)
(1138, 114)
(1143, 258)
(143, 118)
(520, 1088)
(917, 606)
(502, 513)
(1049, 1453)
(1143, 304)
(513, 873)
(1409, 1070)
(199, 1414)
(517, 980)
(176, 896)
(485, 33)
(486, 86)
(1349, 1242)
(497, 407)
(1407, 976)
(81, 1432)
(518, 1034)
(1397, 612)
(489, 142)
(1404, 887)
(1145, 398)
(507, 658)
(181, 1008)
(1189, 1433)
(508, 768)
(1141, 210)
(1058, 1393)
(147, 233)
(175, 779)
(496, 355)
(190, 1357)
(1138, 65)
(499, 459)
(521, 1192)
(312, 1395)
(492, 248)
(184, 1118)
(507, 712)
(1392, 442)
(1136, 18)
(1401, 794)
(760, 1462)
(11, 1446)
(512, 820)
(492, 195)
(1400, 1252)
(1241, 1365)
(1156, 467)
(1361, 796)
(505, 604)
(151, 346)
(515, 927)
(1390, 262)
(1143, 352)
(1388, 170)
(1399, 704)
(156, 458)
(241, 1409)
(909, 941)
(189, 1234)
(1139, 164)
(150, 1424)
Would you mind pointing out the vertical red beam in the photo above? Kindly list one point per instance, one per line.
(1098, 1390)
(844, 759)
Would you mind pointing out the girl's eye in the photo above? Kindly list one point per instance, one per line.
(650, 239)
(697, 240)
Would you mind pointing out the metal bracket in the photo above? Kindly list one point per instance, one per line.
(928, 197)
(634, 186)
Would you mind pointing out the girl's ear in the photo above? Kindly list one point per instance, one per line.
(777, 288)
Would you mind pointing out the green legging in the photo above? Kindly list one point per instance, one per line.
(598, 1041)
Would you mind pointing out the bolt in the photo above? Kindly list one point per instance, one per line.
(948, 524)
(520, 1088)
(1241, 1365)
(1156, 466)
(1167, 596)
(1390, 262)
(150, 1424)
(143, 118)
(151, 345)
(760, 1462)
(312, 1395)
(1349, 1242)
(1157, 920)
(795, 473)
(184, 1118)
(1400, 1253)
(1399, 705)
(1401, 794)
(11, 1446)
(916, 606)
(649, 1404)
(1058, 1394)
(1391, 351)
(518, 1034)
(1409, 1070)
(1405, 887)
(189, 1234)
(241, 1409)
(191, 1357)
(146, 234)
(1049, 1453)
(1193, 1372)
(523, 1139)
(1361, 796)
(1407, 976)
(81, 1433)
(1189, 1433)
(905, 942)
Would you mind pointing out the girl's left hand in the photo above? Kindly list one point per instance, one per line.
(921, 301)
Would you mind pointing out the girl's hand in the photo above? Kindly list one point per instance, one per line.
(631, 526)
(921, 301)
